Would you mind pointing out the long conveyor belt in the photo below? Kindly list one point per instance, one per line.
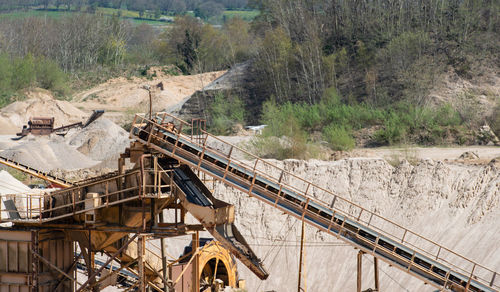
(363, 229)
(35, 172)
(217, 217)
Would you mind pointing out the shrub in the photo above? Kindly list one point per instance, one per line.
(20, 73)
(494, 120)
(338, 137)
(225, 112)
(50, 76)
(24, 72)
(5, 73)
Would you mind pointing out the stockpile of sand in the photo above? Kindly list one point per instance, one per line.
(7, 127)
(40, 103)
(10, 185)
(47, 154)
(101, 140)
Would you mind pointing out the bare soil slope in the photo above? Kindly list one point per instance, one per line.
(121, 97)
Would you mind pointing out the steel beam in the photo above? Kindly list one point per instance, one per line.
(359, 271)
(140, 261)
(35, 264)
(113, 256)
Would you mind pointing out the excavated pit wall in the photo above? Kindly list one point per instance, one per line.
(455, 205)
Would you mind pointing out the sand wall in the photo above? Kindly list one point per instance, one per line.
(455, 205)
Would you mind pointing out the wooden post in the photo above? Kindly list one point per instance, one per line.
(163, 255)
(360, 266)
(150, 104)
(375, 267)
(195, 264)
(140, 261)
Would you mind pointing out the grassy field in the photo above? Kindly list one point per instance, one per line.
(133, 16)
(247, 15)
(53, 13)
(35, 13)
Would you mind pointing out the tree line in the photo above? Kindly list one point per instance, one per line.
(376, 51)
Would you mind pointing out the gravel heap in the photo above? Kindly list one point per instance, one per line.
(47, 154)
(102, 140)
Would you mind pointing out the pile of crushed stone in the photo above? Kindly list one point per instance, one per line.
(102, 140)
(97, 145)
(46, 154)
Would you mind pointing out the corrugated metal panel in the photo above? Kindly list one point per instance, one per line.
(16, 261)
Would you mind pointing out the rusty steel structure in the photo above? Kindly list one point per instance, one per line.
(117, 214)
(39, 126)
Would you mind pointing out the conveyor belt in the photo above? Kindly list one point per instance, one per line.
(410, 252)
(35, 172)
(225, 231)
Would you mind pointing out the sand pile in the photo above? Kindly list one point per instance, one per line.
(40, 103)
(10, 185)
(7, 127)
(455, 205)
(47, 154)
(101, 140)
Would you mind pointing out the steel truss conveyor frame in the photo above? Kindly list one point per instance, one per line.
(361, 228)
(35, 172)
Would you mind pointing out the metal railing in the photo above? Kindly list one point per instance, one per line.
(70, 201)
(159, 132)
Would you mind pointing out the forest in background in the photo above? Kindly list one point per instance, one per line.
(319, 71)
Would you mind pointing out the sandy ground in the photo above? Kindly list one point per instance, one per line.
(99, 143)
(393, 155)
(485, 153)
(121, 97)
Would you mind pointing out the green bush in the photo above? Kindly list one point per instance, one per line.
(494, 120)
(338, 137)
(405, 122)
(394, 130)
(24, 74)
(51, 77)
(402, 123)
(225, 112)
(17, 74)
(353, 116)
(5, 72)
